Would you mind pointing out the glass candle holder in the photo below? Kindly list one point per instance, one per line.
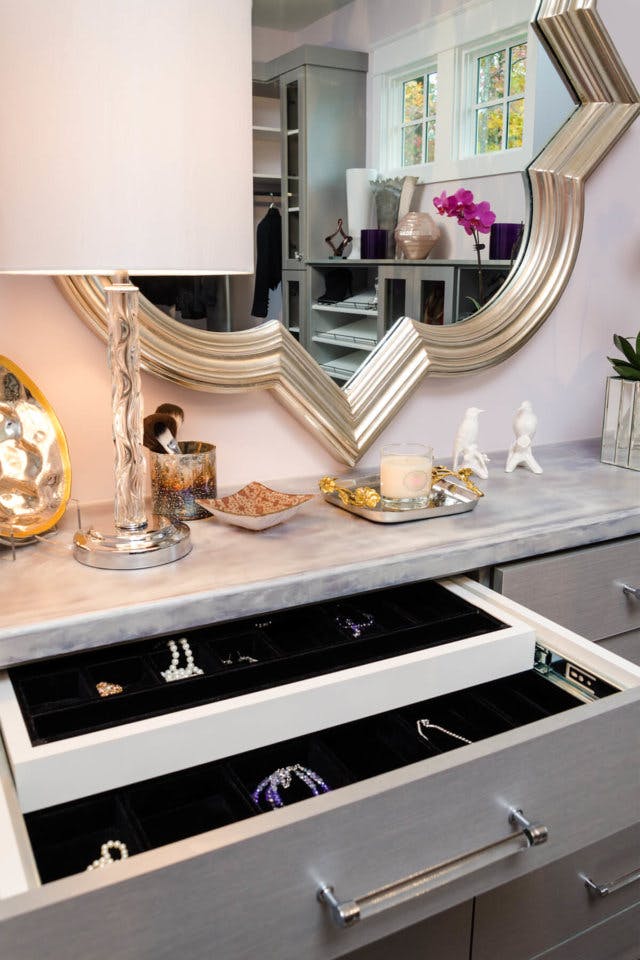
(179, 479)
(405, 475)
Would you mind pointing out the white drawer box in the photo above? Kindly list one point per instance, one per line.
(250, 888)
(63, 770)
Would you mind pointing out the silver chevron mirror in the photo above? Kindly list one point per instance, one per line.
(348, 419)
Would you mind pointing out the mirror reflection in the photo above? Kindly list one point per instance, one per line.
(449, 107)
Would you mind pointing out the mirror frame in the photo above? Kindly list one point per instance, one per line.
(347, 420)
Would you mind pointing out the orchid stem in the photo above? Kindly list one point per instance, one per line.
(479, 246)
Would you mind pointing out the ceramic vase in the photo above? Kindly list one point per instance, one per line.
(360, 205)
(416, 235)
(387, 192)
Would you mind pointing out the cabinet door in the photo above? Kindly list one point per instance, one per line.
(434, 295)
(424, 293)
(294, 299)
(396, 294)
(292, 104)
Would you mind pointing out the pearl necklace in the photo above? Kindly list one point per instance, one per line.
(174, 672)
(105, 859)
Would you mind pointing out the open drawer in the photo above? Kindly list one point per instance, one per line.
(308, 668)
(250, 887)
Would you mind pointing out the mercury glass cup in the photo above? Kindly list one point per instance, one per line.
(405, 475)
(178, 480)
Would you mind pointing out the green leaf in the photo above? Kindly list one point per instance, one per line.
(638, 345)
(623, 344)
(625, 371)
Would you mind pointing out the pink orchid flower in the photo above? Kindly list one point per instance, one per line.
(475, 218)
(479, 218)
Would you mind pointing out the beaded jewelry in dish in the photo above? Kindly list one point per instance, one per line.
(174, 672)
(257, 507)
(282, 777)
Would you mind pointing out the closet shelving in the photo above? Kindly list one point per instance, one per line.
(373, 294)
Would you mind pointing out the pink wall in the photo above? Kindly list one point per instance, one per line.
(561, 370)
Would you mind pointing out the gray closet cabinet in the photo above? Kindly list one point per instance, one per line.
(323, 105)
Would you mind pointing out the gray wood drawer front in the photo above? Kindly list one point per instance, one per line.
(551, 905)
(626, 645)
(250, 888)
(580, 589)
(447, 935)
(617, 939)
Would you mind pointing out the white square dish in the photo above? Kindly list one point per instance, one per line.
(256, 507)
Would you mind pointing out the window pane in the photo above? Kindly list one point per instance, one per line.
(431, 141)
(413, 99)
(491, 76)
(489, 129)
(412, 144)
(515, 124)
(518, 71)
(432, 95)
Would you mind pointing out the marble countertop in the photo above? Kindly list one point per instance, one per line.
(51, 605)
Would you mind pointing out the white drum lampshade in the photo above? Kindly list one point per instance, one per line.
(125, 147)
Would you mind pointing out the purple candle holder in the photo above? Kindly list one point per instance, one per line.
(505, 240)
(373, 244)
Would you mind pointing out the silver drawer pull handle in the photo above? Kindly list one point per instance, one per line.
(631, 591)
(604, 889)
(345, 913)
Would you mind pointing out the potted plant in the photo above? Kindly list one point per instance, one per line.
(621, 425)
(474, 218)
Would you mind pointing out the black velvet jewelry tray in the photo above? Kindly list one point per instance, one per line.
(59, 698)
(68, 837)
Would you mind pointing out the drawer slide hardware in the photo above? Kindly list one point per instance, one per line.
(345, 913)
(604, 889)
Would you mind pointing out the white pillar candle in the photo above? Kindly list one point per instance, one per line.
(405, 472)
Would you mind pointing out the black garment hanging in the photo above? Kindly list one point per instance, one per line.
(269, 260)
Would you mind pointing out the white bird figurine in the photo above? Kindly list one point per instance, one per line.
(465, 445)
(521, 450)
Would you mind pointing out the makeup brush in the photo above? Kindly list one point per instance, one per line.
(174, 411)
(159, 433)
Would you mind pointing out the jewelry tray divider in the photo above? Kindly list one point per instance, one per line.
(59, 699)
(68, 837)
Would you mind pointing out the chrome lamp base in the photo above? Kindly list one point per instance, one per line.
(135, 541)
(161, 541)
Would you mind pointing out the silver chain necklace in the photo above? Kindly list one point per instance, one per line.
(422, 725)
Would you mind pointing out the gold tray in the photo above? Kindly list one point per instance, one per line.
(35, 470)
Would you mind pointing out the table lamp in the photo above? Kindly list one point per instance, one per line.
(126, 148)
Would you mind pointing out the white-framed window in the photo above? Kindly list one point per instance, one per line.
(450, 46)
(417, 99)
(496, 78)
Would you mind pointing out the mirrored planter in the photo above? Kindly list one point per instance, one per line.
(621, 425)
